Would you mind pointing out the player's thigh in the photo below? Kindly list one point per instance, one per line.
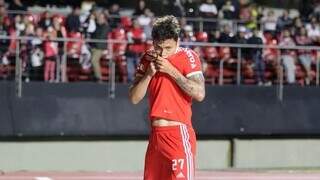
(178, 148)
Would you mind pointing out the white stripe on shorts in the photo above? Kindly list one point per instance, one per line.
(187, 150)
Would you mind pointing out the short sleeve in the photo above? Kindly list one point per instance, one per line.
(193, 64)
(142, 66)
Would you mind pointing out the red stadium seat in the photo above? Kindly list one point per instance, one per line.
(202, 36)
(210, 53)
(73, 55)
(74, 47)
(225, 52)
(120, 35)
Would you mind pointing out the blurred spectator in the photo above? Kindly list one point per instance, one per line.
(37, 55)
(297, 25)
(305, 9)
(17, 5)
(187, 33)
(60, 33)
(50, 53)
(313, 30)
(260, 11)
(126, 23)
(208, 10)
(145, 21)
(4, 4)
(60, 30)
(25, 51)
(73, 23)
(240, 38)
(226, 35)
(85, 57)
(175, 8)
(252, 21)
(4, 31)
(19, 26)
(114, 9)
(288, 56)
(191, 8)
(101, 33)
(32, 54)
(316, 9)
(269, 23)
(145, 18)
(3, 13)
(256, 56)
(245, 12)
(185, 25)
(228, 10)
(284, 21)
(89, 24)
(114, 12)
(141, 6)
(29, 19)
(215, 37)
(270, 54)
(136, 39)
(46, 20)
(304, 56)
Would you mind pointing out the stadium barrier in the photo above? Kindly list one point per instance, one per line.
(83, 110)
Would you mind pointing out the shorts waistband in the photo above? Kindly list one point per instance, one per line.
(167, 128)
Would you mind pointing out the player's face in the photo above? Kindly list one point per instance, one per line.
(166, 48)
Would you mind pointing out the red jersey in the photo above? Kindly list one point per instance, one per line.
(167, 100)
(138, 37)
(50, 48)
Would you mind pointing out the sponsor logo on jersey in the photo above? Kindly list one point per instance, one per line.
(191, 58)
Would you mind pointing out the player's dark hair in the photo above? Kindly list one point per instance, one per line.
(166, 27)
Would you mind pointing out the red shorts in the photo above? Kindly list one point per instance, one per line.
(170, 153)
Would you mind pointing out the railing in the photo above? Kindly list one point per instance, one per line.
(112, 70)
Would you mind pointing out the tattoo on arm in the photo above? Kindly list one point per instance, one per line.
(193, 85)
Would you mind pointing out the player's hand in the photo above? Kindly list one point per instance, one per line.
(151, 70)
(151, 55)
(163, 65)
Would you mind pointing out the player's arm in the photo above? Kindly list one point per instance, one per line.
(193, 85)
(140, 85)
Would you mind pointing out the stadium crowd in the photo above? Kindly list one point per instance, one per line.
(230, 21)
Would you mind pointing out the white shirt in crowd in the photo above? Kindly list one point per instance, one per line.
(208, 8)
(313, 31)
(269, 23)
(144, 20)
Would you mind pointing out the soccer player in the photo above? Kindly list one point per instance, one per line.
(172, 76)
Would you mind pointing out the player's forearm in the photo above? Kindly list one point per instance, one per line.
(194, 89)
(139, 89)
